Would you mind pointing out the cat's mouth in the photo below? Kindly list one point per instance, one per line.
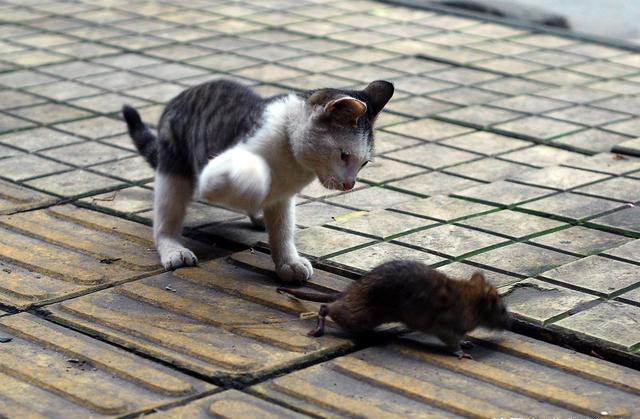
(330, 183)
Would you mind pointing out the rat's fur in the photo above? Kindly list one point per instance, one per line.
(418, 296)
(236, 149)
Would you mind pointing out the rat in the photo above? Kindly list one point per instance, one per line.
(417, 295)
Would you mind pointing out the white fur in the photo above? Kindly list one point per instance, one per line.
(262, 174)
(171, 196)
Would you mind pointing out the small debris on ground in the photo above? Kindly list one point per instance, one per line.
(620, 157)
(109, 261)
(111, 197)
(170, 288)
(5, 340)
(253, 252)
(7, 270)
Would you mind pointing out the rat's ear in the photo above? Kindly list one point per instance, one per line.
(478, 278)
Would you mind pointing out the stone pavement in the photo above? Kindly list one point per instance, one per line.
(502, 150)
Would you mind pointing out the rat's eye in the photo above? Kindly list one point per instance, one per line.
(344, 156)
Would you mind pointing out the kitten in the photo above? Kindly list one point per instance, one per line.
(238, 150)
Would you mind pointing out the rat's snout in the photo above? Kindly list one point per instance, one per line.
(348, 185)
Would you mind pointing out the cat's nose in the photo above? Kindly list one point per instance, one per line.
(347, 186)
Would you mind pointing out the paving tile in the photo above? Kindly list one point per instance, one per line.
(514, 86)
(618, 188)
(509, 65)
(85, 50)
(364, 73)
(107, 103)
(451, 240)
(55, 253)
(543, 40)
(224, 321)
(631, 297)
(515, 225)
(432, 156)
(380, 224)
(627, 219)
(592, 140)
(133, 169)
(269, 73)
(560, 77)
(443, 208)
(629, 251)
(603, 69)
(613, 323)
(86, 153)
(127, 200)
(226, 404)
(576, 94)
(16, 99)
(74, 183)
(413, 378)
(14, 198)
(127, 60)
(38, 139)
(463, 75)
(318, 213)
(488, 169)
(466, 96)
(583, 241)
(26, 166)
(304, 82)
(522, 259)
(382, 170)
(487, 143)
(10, 123)
(542, 156)
(541, 303)
(118, 80)
(505, 193)
(631, 147)
(434, 183)
(502, 47)
(94, 128)
(429, 129)
(418, 106)
(558, 177)
(607, 163)
(321, 242)
(365, 259)
(418, 85)
(624, 104)
(463, 271)
(49, 113)
(480, 116)
(370, 199)
(597, 274)
(572, 206)
(529, 104)
(63, 373)
(63, 90)
(170, 71)
(617, 86)
(586, 115)
(33, 58)
(558, 58)
(161, 93)
(538, 127)
(629, 127)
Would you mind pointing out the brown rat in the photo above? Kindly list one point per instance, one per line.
(418, 296)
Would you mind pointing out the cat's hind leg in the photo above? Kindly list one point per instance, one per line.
(172, 193)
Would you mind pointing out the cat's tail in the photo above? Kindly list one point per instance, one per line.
(143, 138)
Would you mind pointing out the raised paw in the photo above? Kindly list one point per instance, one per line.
(296, 270)
(178, 258)
(462, 354)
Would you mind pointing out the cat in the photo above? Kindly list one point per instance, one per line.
(236, 149)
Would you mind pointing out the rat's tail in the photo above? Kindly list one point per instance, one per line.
(310, 296)
(142, 137)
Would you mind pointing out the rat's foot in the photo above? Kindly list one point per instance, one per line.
(178, 258)
(462, 354)
(467, 344)
(296, 270)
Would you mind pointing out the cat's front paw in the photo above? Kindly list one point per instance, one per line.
(295, 270)
(178, 258)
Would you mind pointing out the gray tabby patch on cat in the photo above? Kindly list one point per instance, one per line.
(233, 148)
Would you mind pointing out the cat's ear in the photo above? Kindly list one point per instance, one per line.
(379, 93)
(345, 109)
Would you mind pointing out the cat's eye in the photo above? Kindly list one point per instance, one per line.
(364, 164)
(344, 156)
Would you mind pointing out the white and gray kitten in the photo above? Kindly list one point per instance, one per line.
(236, 149)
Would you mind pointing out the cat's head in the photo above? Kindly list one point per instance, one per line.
(336, 138)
